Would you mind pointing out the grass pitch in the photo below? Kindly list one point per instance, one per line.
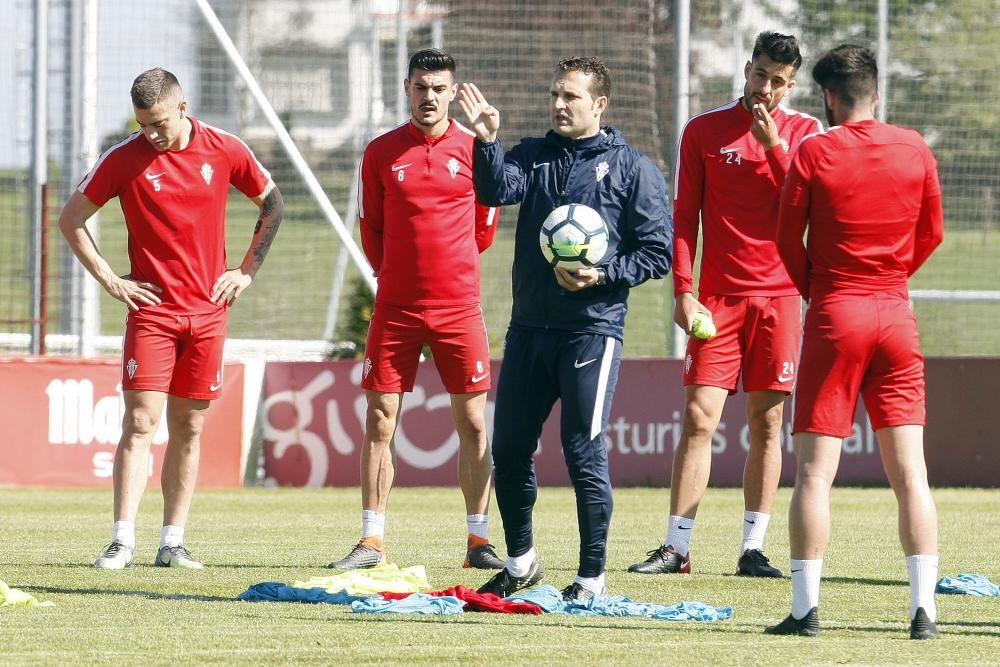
(157, 616)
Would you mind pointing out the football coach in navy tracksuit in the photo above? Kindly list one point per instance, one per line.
(565, 336)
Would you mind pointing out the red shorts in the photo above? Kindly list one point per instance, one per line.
(758, 335)
(455, 334)
(177, 354)
(867, 343)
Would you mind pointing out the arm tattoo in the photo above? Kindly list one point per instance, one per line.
(267, 210)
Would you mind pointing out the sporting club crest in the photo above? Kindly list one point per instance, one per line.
(602, 170)
(206, 173)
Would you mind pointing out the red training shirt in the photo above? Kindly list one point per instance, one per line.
(421, 226)
(870, 195)
(724, 173)
(175, 208)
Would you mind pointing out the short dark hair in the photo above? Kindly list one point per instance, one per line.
(780, 48)
(850, 72)
(151, 86)
(431, 60)
(600, 83)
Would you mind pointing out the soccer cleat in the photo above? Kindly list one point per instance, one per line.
(116, 556)
(663, 560)
(807, 626)
(753, 563)
(483, 557)
(504, 584)
(922, 627)
(362, 556)
(176, 557)
(577, 594)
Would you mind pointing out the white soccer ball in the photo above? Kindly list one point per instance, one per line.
(574, 236)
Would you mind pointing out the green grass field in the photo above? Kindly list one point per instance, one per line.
(161, 616)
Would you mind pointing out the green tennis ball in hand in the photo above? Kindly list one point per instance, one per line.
(702, 326)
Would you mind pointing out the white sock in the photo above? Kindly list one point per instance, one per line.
(478, 525)
(372, 524)
(124, 532)
(805, 585)
(519, 565)
(593, 584)
(923, 571)
(754, 530)
(171, 536)
(679, 534)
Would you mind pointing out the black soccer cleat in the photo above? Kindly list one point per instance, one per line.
(483, 557)
(575, 593)
(807, 626)
(753, 563)
(663, 560)
(922, 627)
(503, 584)
(362, 556)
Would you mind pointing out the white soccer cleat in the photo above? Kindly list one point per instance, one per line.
(116, 556)
(176, 557)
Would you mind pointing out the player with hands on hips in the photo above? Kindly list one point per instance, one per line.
(172, 181)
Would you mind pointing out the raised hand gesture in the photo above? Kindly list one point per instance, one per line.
(483, 117)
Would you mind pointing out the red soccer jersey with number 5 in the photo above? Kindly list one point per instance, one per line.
(421, 226)
(724, 174)
(175, 208)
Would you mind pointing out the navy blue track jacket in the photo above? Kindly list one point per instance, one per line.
(604, 173)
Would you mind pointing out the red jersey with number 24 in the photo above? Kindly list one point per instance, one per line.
(724, 173)
(421, 226)
(175, 209)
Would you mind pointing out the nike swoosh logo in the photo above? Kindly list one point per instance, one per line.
(726, 151)
(683, 527)
(215, 387)
(152, 177)
(539, 164)
(750, 522)
(577, 364)
(397, 167)
(785, 378)
(479, 378)
(798, 570)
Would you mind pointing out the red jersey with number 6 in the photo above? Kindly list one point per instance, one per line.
(421, 226)
(175, 208)
(724, 173)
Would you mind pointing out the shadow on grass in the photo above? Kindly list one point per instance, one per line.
(109, 591)
(867, 582)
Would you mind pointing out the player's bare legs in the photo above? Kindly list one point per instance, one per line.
(693, 457)
(185, 420)
(377, 470)
(142, 416)
(763, 465)
(817, 458)
(377, 474)
(475, 466)
(689, 479)
(902, 449)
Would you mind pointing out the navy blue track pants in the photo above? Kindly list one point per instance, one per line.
(538, 368)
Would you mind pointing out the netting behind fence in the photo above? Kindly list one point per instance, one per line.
(330, 70)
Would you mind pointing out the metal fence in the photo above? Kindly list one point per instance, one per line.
(332, 71)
